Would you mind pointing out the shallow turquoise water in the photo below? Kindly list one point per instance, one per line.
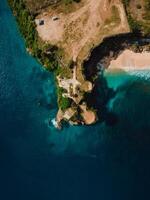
(39, 162)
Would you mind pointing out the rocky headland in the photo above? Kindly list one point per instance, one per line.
(78, 40)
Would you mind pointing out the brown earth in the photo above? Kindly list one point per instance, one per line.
(137, 9)
(89, 116)
(79, 31)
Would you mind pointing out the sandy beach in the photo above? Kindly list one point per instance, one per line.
(129, 60)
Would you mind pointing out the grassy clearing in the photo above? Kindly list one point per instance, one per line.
(146, 15)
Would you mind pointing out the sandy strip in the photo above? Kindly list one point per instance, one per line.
(129, 60)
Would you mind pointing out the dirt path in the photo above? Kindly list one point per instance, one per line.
(82, 28)
(124, 23)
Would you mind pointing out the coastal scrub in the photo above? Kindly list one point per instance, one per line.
(45, 53)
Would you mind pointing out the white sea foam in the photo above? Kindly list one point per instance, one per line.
(144, 74)
(53, 121)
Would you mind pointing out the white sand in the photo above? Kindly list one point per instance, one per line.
(128, 60)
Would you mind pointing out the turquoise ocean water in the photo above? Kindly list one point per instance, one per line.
(37, 161)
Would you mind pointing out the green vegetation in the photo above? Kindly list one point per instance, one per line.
(46, 54)
(126, 2)
(147, 10)
(142, 25)
(134, 24)
(115, 14)
(63, 102)
(25, 21)
(63, 71)
(115, 17)
(35, 6)
(70, 1)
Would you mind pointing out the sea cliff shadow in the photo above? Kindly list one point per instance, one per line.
(99, 99)
(110, 48)
(98, 61)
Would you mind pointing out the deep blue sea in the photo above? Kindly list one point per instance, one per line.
(38, 162)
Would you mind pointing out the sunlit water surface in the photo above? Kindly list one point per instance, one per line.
(92, 162)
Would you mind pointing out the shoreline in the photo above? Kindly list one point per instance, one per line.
(75, 85)
(129, 60)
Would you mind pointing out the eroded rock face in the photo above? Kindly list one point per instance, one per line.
(89, 116)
